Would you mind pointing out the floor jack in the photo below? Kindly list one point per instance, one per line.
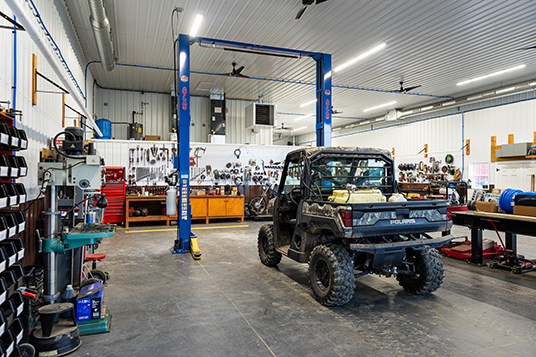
(510, 260)
(462, 250)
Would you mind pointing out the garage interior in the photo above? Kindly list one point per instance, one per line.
(277, 178)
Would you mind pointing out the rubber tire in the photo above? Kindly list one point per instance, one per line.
(27, 350)
(341, 286)
(266, 246)
(99, 274)
(430, 273)
(253, 209)
(89, 282)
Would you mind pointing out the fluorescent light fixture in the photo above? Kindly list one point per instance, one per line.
(491, 75)
(303, 117)
(308, 103)
(303, 127)
(505, 90)
(448, 103)
(380, 119)
(360, 57)
(406, 113)
(380, 106)
(336, 129)
(475, 97)
(195, 26)
(426, 108)
(532, 84)
(365, 122)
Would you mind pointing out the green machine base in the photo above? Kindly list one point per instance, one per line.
(96, 326)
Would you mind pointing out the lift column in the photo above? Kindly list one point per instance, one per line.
(182, 244)
(323, 99)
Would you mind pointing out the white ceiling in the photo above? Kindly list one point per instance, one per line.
(433, 43)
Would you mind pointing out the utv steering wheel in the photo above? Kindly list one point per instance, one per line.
(295, 191)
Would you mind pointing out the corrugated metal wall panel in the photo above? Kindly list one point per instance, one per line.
(43, 121)
(200, 114)
(118, 106)
(444, 135)
(236, 132)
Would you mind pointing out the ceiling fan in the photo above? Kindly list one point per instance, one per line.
(335, 111)
(237, 72)
(404, 90)
(283, 127)
(305, 4)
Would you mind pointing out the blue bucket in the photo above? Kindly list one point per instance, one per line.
(105, 127)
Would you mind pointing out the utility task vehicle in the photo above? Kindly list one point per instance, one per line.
(338, 210)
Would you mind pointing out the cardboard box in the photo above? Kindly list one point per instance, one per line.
(487, 207)
(525, 211)
(90, 306)
(496, 191)
(152, 137)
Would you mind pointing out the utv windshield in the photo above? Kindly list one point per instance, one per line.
(331, 173)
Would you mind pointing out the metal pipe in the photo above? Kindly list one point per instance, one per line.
(50, 293)
(102, 33)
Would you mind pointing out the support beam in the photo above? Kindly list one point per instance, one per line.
(34, 79)
(63, 110)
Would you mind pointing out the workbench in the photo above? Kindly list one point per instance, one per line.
(511, 224)
(202, 207)
(154, 205)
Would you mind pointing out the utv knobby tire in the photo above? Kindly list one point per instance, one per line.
(430, 273)
(266, 244)
(331, 274)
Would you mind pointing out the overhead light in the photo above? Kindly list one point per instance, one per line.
(491, 75)
(360, 57)
(380, 106)
(505, 90)
(365, 122)
(426, 108)
(308, 103)
(475, 97)
(380, 119)
(303, 117)
(195, 26)
(336, 129)
(448, 103)
(532, 84)
(406, 113)
(303, 127)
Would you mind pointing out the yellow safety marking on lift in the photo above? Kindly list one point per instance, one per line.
(174, 229)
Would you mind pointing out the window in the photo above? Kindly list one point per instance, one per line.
(337, 173)
(479, 174)
(293, 177)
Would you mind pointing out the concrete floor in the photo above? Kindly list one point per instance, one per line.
(229, 304)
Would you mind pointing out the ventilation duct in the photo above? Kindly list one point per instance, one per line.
(102, 33)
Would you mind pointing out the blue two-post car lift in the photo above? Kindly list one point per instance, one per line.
(186, 240)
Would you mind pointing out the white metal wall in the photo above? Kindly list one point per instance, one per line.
(43, 121)
(117, 106)
(444, 135)
(236, 132)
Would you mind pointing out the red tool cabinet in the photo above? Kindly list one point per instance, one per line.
(115, 191)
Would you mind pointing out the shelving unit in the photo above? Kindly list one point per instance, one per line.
(13, 330)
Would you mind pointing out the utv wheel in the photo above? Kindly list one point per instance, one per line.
(266, 244)
(331, 274)
(429, 273)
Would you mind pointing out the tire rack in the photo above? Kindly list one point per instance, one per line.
(13, 328)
